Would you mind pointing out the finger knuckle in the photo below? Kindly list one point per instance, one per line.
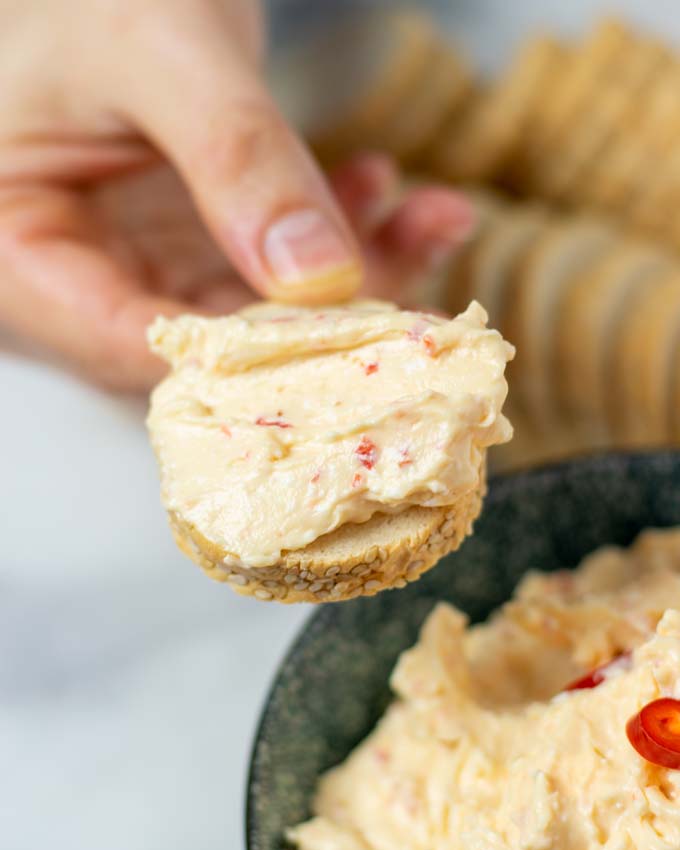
(248, 133)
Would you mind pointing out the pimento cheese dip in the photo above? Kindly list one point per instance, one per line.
(524, 732)
(277, 425)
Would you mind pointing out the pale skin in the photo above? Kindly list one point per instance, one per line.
(145, 170)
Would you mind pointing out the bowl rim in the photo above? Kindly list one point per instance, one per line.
(496, 486)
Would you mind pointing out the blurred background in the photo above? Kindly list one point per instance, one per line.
(129, 684)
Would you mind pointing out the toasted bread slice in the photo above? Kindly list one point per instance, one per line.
(357, 559)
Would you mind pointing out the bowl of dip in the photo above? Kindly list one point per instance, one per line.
(334, 684)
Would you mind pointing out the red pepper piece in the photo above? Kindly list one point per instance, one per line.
(405, 457)
(275, 423)
(654, 732)
(430, 346)
(596, 676)
(367, 452)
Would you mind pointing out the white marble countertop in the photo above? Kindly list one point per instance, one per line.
(130, 685)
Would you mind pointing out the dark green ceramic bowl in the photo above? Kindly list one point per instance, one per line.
(332, 687)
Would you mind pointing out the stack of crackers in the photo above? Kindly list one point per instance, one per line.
(593, 125)
(381, 79)
(595, 316)
(579, 270)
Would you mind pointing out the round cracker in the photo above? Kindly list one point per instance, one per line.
(674, 395)
(341, 106)
(484, 274)
(642, 362)
(613, 177)
(476, 144)
(586, 330)
(444, 84)
(357, 559)
(606, 115)
(567, 248)
(656, 207)
(563, 107)
(443, 289)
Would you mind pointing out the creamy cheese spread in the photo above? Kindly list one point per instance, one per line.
(277, 425)
(484, 749)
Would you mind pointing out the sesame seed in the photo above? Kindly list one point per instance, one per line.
(239, 579)
(270, 583)
(301, 585)
(415, 566)
(316, 586)
(291, 578)
(373, 585)
(264, 594)
(332, 571)
(193, 546)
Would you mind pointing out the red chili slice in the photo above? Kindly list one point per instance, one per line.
(654, 732)
(371, 368)
(596, 676)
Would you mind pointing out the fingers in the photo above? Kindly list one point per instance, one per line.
(60, 287)
(406, 233)
(257, 187)
(367, 186)
(427, 226)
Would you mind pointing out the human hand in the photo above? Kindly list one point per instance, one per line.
(145, 170)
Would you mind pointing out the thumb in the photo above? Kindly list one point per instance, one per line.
(255, 184)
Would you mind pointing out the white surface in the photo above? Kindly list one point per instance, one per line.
(129, 683)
